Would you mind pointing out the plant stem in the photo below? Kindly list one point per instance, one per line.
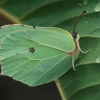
(9, 16)
(59, 89)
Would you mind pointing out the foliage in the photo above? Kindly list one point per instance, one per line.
(84, 83)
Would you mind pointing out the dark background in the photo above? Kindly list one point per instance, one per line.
(14, 90)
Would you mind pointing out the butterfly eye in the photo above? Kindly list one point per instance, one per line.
(31, 49)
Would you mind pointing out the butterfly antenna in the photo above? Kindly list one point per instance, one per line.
(74, 34)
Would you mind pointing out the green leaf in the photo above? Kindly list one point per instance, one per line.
(24, 6)
(51, 46)
(82, 84)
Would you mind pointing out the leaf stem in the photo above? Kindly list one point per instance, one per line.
(59, 89)
(9, 16)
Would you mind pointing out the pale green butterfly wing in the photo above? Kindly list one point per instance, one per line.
(49, 60)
